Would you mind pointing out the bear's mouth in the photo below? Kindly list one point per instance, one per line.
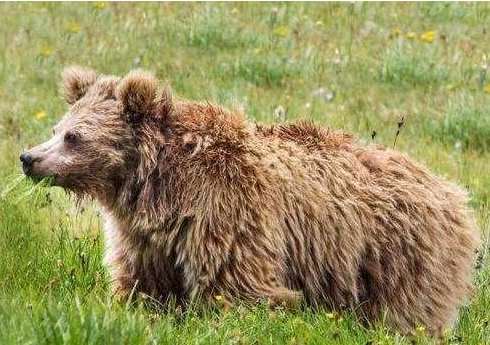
(37, 177)
(47, 180)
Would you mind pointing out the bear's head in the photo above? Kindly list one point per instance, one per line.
(97, 143)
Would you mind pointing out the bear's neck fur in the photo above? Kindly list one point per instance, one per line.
(175, 145)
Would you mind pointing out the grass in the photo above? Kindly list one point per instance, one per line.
(53, 284)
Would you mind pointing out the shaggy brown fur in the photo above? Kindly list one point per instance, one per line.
(200, 202)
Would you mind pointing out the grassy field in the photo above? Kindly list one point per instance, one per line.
(359, 66)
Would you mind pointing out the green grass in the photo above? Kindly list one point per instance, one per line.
(53, 285)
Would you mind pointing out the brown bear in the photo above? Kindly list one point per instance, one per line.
(200, 202)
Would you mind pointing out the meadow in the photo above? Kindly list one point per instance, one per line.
(373, 69)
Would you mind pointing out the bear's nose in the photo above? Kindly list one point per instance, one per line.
(27, 160)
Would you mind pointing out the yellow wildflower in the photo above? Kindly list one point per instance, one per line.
(428, 36)
(320, 24)
(74, 27)
(396, 31)
(100, 5)
(486, 89)
(41, 115)
(281, 31)
(421, 329)
(234, 10)
(218, 298)
(329, 315)
(410, 35)
(46, 52)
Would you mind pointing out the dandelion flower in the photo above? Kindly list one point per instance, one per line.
(410, 35)
(281, 31)
(100, 5)
(396, 31)
(74, 27)
(46, 52)
(486, 89)
(41, 115)
(428, 36)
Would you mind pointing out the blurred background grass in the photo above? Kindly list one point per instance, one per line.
(359, 66)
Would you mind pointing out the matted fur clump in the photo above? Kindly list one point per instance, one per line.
(200, 202)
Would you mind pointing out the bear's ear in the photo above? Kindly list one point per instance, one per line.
(75, 82)
(137, 91)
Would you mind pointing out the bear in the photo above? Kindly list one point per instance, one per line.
(200, 202)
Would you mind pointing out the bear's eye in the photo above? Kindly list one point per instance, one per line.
(71, 138)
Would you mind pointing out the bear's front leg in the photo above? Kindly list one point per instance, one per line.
(123, 281)
(118, 251)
